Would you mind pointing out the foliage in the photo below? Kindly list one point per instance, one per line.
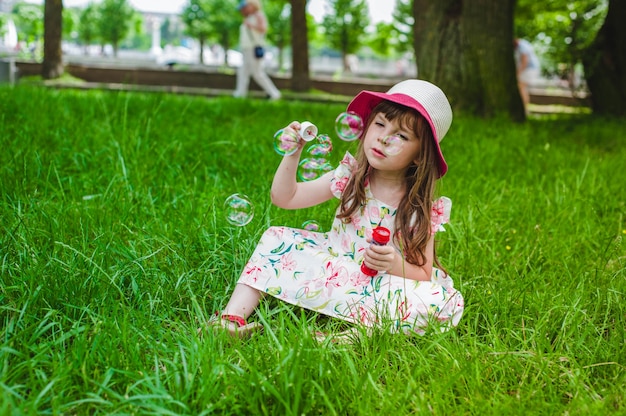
(3, 21)
(224, 26)
(114, 251)
(394, 39)
(346, 26)
(170, 32)
(403, 21)
(29, 21)
(115, 23)
(88, 24)
(278, 14)
(71, 21)
(137, 37)
(196, 18)
(560, 29)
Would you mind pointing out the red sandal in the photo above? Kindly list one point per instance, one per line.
(237, 326)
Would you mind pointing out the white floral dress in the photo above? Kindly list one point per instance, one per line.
(321, 271)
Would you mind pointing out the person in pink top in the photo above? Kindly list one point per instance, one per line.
(409, 290)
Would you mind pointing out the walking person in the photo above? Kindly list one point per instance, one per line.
(528, 68)
(343, 273)
(251, 37)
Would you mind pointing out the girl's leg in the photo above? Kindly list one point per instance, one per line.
(243, 301)
(241, 304)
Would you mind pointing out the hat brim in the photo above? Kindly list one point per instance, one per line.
(365, 101)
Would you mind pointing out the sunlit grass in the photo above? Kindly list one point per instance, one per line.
(115, 248)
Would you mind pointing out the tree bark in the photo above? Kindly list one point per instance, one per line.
(52, 66)
(605, 64)
(300, 78)
(466, 48)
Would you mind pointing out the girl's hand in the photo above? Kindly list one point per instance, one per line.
(381, 258)
(294, 128)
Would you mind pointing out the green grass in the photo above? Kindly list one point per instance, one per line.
(114, 249)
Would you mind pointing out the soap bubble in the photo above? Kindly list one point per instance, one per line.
(393, 145)
(323, 147)
(239, 210)
(312, 225)
(286, 142)
(313, 168)
(349, 126)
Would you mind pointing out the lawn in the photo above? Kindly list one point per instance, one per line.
(115, 249)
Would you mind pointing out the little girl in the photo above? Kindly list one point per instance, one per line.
(322, 271)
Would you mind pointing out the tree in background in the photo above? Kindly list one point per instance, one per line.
(196, 18)
(52, 66)
(382, 41)
(3, 21)
(88, 26)
(279, 33)
(605, 63)
(561, 31)
(346, 26)
(395, 40)
(170, 33)
(467, 49)
(71, 19)
(300, 77)
(29, 23)
(223, 22)
(116, 18)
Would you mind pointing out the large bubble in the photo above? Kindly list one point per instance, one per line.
(349, 126)
(393, 145)
(239, 210)
(285, 142)
(312, 168)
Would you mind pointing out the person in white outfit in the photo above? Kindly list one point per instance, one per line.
(252, 34)
(528, 68)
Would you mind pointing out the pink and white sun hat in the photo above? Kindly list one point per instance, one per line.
(422, 96)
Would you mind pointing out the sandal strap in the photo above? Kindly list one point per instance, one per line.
(236, 319)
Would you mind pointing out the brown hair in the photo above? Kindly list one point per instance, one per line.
(413, 216)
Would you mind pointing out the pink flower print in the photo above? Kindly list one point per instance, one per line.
(287, 263)
(252, 273)
(335, 277)
(340, 184)
(276, 232)
(364, 316)
(374, 213)
(440, 214)
(349, 161)
(403, 310)
(347, 245)
(359, 279)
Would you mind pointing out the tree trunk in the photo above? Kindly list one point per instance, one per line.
(300, 79)
(201, 56)
(605, 63)
(52, 66)
(466, 48)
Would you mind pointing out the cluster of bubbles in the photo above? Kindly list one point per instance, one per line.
(348, 126)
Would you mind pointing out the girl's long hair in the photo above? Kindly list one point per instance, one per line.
(413, 216)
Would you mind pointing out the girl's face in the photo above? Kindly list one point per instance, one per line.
(376, 150)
